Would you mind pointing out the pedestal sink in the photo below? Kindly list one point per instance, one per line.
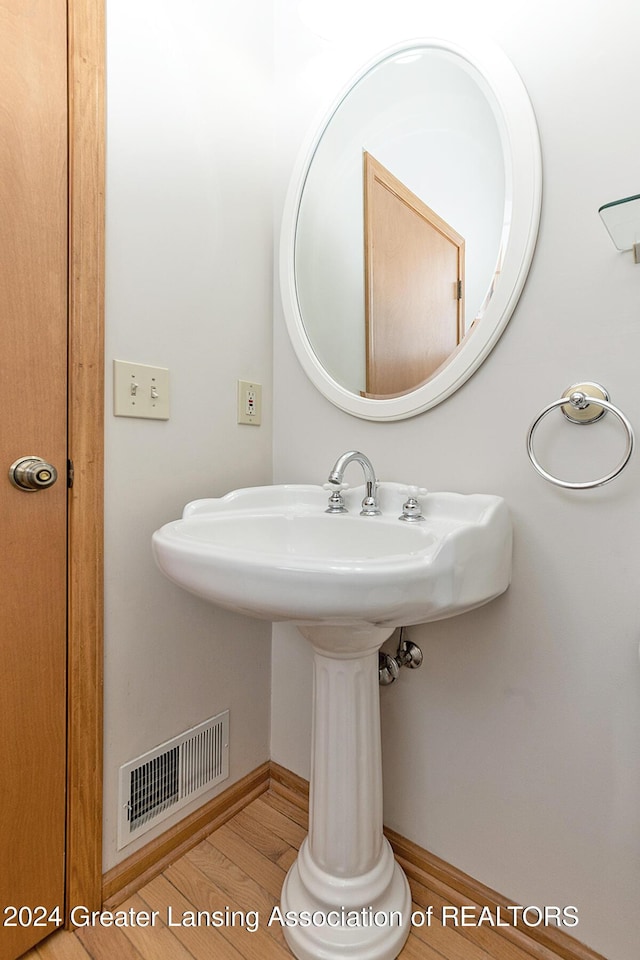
(347, 581)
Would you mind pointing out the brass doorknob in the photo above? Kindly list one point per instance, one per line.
(32, 473)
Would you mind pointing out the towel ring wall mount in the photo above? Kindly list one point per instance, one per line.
(582, 403)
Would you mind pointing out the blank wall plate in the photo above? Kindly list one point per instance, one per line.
(140, 390)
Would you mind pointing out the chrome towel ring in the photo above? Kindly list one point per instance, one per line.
(582, 403)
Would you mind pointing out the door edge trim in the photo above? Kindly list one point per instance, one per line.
(86, 68)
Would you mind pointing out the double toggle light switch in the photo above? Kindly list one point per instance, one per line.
(140, 390)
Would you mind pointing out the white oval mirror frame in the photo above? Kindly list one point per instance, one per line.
(511, 106)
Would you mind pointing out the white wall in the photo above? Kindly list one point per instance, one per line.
(189, 286)
(514, 753)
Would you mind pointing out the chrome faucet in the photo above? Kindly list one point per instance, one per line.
(336, 479)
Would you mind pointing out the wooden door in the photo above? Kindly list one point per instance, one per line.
(33, 421)
(414, 285)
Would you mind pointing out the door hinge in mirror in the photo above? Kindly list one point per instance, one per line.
(69, 473)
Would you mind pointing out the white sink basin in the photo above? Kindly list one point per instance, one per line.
(273, 553)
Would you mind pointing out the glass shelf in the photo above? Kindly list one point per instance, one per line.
(622, 220)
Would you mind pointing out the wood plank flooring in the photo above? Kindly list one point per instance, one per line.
(238, 870)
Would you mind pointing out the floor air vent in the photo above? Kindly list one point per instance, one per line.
(161, 781)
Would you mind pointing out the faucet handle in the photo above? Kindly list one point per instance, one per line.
(411, 510)
(336, 501)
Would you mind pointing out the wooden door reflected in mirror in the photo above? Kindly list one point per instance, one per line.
(414, 286)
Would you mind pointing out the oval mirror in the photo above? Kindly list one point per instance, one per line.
(409, 227)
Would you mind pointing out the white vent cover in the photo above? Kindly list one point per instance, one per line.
(158, 783)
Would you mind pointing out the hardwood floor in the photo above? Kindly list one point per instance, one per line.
(238, 871)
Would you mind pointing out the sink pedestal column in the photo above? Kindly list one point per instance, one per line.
(346, 894)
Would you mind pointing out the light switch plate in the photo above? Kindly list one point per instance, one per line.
(140, 390)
